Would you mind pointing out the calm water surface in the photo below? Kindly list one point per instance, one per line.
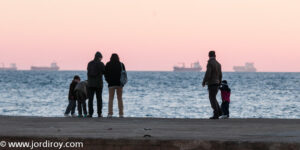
(155, 94)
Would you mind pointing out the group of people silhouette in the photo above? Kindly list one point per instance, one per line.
(114, 73)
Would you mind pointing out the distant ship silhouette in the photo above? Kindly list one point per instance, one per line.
(12, 67)
(53, 67)
(195, 67)
(249, 67)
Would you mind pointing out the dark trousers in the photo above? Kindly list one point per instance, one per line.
(81, 104)
(225, 108)
(212, 92)
(91, 93)
(71, 107)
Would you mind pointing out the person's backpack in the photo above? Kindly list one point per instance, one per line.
(93, 69)
(123, 78)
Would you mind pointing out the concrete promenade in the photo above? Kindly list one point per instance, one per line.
(156, 134)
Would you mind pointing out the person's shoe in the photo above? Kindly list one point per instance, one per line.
(89, 116)
(100, 116)
(80, 116)
(220, 113)
(109, 116)
(84, 115)
(214, 117)
(66, 115)
(224, 117)
(121, 116)
(74, 115)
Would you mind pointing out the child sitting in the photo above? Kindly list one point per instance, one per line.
(225, 94)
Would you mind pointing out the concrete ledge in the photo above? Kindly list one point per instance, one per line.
(166, 134)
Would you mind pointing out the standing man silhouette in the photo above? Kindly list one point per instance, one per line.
(95, 71)
(212, 79)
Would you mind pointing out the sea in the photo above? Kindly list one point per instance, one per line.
(155, 94)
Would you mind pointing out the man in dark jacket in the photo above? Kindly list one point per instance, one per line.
(95, 73)
(213, 78)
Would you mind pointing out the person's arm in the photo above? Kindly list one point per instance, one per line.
(72, 87)
(221, 74)
(106, 73)
(85, 89)
(123, 67)
(88, 69)
(222, 96)
(207, 74)
(70, 94)
(103, 68)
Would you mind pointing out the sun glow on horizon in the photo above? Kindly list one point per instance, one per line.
(151, 35)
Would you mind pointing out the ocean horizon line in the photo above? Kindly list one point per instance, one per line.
(65, 70)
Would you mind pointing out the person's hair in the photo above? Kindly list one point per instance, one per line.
(224, 81)
(114, 58)
(76, 77)
(212, 54)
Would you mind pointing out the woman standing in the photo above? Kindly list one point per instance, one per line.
(112, 76)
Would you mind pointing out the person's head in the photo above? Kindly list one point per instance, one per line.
(224, 82)
(114, 58)
(76, 78)
(98, 56)
(211, 54)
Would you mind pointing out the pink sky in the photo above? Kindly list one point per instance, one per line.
(151, 34)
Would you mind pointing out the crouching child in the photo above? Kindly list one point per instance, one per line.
(81, 94)
(72, 98)
(225, 94)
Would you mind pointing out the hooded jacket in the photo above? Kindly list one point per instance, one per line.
(95, 72)
(82, 88)
(213, 73)
(225, 92)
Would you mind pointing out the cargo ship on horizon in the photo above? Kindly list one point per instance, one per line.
(53, 67)
(12, 67)
(249, 67)
(195, 67)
